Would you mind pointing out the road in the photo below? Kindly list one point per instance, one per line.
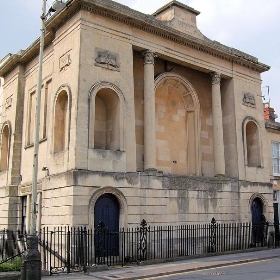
(257, 270)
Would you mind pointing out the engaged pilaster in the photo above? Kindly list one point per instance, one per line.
(149, 111)
(219, 154)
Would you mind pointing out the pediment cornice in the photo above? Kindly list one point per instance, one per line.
(147, 23)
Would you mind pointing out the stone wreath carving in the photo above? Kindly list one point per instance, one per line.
(107, 59)
(64, 61)
(249, 100)
(9, 102)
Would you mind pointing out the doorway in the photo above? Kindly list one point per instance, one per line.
(106, 225)
(258, 221)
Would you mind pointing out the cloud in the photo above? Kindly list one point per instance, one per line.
(230, 22)
(251, 26)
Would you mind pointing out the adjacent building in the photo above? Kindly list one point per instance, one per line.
(273, 137)
(142, 117)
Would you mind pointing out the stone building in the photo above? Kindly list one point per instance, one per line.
(1, 96)
(142, 117)
(273, 137)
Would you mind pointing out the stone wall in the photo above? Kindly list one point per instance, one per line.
(159, 199)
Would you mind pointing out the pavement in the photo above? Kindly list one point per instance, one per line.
(153, 270)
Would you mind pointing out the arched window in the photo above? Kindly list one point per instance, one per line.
(5, 148)
(252, 144)
(60, 121)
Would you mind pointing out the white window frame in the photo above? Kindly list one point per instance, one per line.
(275, 155)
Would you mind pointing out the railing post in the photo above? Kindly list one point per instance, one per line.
(84, 237)
(213, 228)
(68, 250)
(51, 249)
(143, 240)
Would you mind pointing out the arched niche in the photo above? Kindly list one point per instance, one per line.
(177, 125)
(252, 142)
(61, 121)
(5, 146)
(106, 117)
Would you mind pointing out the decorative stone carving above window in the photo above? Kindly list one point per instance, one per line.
(9, 102)
(64, 61)
(249, 99)
(106, 59)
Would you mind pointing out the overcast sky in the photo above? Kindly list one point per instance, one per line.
(252, 26)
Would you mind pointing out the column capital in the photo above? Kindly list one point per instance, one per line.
(216, 78)
(149, 56)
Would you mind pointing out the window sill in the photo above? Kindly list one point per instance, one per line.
(32, 145)
(104, 150)
(59, 152)
(254, 166)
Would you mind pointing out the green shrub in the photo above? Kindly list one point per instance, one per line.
(13, 265)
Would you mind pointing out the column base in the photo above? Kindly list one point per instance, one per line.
(31, 265)
(151, 171)
(220, 176)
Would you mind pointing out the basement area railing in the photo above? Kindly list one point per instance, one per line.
(66, 249)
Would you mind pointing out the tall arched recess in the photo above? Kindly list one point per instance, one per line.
(5, 146)
(106, 117)
(252, 143)
(177, 125)
(61, 120)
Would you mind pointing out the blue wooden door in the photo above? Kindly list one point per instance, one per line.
(107, 212)
(257, 220)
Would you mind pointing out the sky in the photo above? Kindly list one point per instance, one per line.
(252, 26)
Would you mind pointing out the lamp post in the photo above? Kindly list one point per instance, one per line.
(31, 266)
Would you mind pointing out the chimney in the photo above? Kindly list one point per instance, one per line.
(269, 113)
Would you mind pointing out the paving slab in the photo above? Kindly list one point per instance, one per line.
(142, 272)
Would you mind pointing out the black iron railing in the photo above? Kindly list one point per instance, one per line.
(12, 244)
(68, 249)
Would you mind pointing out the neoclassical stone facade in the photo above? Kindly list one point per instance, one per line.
(142, 117)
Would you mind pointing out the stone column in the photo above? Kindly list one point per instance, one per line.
(149, 112)
(219, 154)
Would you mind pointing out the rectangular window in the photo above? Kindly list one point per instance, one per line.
(31, 118)
(275, 158)
(24, 213)
(44, 109)
(45, 90)
(274, 195)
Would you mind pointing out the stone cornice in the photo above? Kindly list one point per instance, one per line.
(33, 50)
(25, 56)
(135, 19)
(149, 23)
(272, 125)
